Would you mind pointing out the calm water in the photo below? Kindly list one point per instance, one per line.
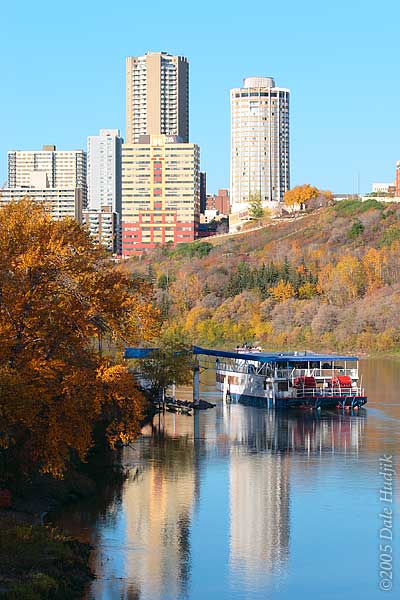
(241, 503)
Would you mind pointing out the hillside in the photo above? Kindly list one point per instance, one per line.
(327, 281)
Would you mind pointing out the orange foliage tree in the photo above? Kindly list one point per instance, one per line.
(344, 282)
(282, 291)
(300, 195)
(373, 262)
(60, 297)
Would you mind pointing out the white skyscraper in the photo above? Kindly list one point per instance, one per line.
(104, 170)
(104, 188)
(259, 142)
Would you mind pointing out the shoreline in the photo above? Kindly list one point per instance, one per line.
(68, 573)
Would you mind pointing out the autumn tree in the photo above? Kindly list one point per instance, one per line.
(256, 210)
(185, 291)
(300, 195)
(282, 291)
(60, 299)
(344, 282)
(373, 263)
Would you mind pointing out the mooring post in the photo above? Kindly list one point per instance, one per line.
(196, 383)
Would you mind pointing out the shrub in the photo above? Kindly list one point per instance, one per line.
(191, 250)
(356, 229)
(349, 208)
(391, 235)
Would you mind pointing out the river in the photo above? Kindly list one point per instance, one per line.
(243, 503)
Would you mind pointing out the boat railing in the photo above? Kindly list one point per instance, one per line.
(287, 374)
(316, 372)
(330, 391)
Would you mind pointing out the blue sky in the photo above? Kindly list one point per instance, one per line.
(63, 76)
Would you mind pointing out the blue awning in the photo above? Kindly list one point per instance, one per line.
(261, 357)
(138, 352)
(273, 357)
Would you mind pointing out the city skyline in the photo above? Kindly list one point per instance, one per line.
(341, 133)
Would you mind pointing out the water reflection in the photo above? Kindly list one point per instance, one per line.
(158, 508)
(217, 506)
(144, 540)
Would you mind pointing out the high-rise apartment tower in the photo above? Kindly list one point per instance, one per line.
(157, 96)
(160, 193)
(104, 170)
(56, 178)
(64, 169)
(259, 142)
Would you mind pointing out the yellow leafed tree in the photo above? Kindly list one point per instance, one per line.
(373, 262)
(60, 299)
(300, 195)
(282, 291)
(344, 282)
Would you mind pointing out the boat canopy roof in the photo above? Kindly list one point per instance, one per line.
(138, 352)
(261, 357)
(274, 357)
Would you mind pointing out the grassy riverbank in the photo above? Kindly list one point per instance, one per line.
(39, 562)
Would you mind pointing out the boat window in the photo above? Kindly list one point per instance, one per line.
(300, 365)
(283, 386)
(327, 365)
(339, 366)
(251, 369)
(281, 365)
(314, 364)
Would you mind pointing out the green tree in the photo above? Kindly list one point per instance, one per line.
(171, 362)
(256, 210)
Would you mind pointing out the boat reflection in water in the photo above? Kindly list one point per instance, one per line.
(255, 447)
(198, 484)
(260, 461)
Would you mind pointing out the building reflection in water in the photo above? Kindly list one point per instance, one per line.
(158, 506)
(158, 502)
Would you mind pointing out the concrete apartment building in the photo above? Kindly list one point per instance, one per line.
(259, 144)
(103, 225)
(60, 203)
(65, 169)
(160, 192)
(55, 177)
(157, 96)
(104, 184)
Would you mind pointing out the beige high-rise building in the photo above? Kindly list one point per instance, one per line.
(58, 202)
(50, 168)
(56, 178)
(259, 143)
(157, 96)
(160, 193)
